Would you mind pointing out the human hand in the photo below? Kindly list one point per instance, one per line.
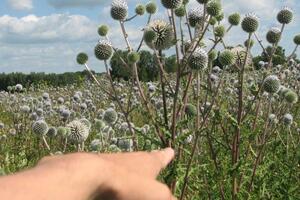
(80, 176)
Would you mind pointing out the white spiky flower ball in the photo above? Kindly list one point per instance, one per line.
(250, 23)
(79, 132)
(288, 119)
(162, 35)
(285, 16)
(40, 128)
(119, 10)
(171, 4)
(103, 50)
(273, 35)
(199, 59)
(271, 84)
(195, 16)
(110, 116)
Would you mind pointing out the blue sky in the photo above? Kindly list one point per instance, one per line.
(46, 35)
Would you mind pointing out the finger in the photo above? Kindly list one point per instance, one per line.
(148, 164)
(146, 189)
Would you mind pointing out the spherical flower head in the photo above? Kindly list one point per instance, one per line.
(273, 35)
(213, 21)
(220, 17)
(140, 9)
(62, 131)
(164, 35)
(52, 132)
(285, 16)
(119, 10)
(227, 58)
(203, 1)
(133, 57)
(212, 55)
(291, 97)
(78, 132)
(151, 8)
(103, 50)
(171, 4)
(271, 84)
(180, 12)
(195, 16)
(198, 60)
(288, 119)
(234, 19)
(82, 58)
(190, 110)
(110, 116)
(214, 8)
(250, 23)
(125, 144)
(96, 145)
(297, 39)
(103, 30)
(19, 87)
(220, 31)
(249, 43)
(149, 35)
(40, 128)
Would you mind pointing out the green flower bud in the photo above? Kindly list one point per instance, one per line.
(220, 31)
(285, 16)
(103, 50)
(103, 30)
(119, 10)
(271, 84)
(180, 12)
(227, 58)
(212, 55)
(234, 19)
(273, 35)
(82, 58)
(140, 9)
(195, 16)
(247, 42)
(40, 128)
(151, 8)
(133, 57)
(171, 4)
(220, 17)
(297, 39)
(212, 21)
(149, 35)
(190, 110)
(250, 23)
(214, 8)
(291, 97)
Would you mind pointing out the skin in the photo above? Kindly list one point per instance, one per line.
(83, 176)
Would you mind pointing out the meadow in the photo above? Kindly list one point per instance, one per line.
(232, 118)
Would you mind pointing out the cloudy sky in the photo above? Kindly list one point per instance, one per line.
(46, 35)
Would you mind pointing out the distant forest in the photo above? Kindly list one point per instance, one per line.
(54, 80)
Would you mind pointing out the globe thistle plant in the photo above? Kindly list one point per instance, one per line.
(140, 9)
(273, 35)
(151, 8)
(285, 16)
(40, 128)
(220, 31)
(110, 116)
(163, 37)
(291, 97)
(119, 10)
(180, 12)
(171, 4)
(234, 19)
(271, 84)
(79, 132)
(214, 8)
(82, 58)
(198, 60)
(103, 50)
(250, 23)
(195, 16)
(297, 39)
(227, 58)
(103, 30)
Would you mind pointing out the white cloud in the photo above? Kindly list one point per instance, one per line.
(20, 4)
(75, 3)
(52, 28)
